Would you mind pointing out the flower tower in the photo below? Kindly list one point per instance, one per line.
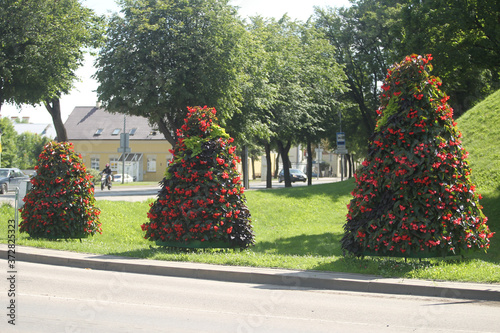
(201, 201)
(61, 202)
(413, 195)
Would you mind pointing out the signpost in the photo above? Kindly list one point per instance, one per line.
(341, 150)
(124, 147)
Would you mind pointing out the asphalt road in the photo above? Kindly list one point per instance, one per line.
(144, 192)
(61, 299)
(140, 193)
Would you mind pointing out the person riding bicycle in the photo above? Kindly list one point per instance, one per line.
(107, 171)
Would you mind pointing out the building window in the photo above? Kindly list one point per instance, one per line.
(113, 163)
(132, 131)
(99, 131)
(151, 163)
(116, 131)
(94, 163)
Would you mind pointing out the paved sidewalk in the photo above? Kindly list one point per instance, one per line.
(280, 277)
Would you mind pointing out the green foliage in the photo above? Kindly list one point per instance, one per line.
(163, 55)
(61, 201)
(29, 146)
(42, 44)
(363, 35)
(96, 176)
(464, 38)
(414, 196)
(201, 199)
(9, 144)
(481, 129)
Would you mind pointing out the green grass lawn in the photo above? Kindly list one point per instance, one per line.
(301, 228)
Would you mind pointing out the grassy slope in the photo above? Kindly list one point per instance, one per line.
(480, 127)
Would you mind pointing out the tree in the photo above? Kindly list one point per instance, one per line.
(8, 157)
(323, 81)
(463, 37)
(258, 92)
(161, 56)
(42, 44)
(29, 146)
(364, 35)
(201, 202)
(305, 80)
(413, 195)
(61, 203)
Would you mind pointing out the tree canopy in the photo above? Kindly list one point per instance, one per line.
(42, 43)
(161, 56)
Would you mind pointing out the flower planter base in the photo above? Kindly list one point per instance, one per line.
(196, 244)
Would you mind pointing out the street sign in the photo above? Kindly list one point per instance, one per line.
(124, 140)
(340, 140)
(124, 143)
(342, 151)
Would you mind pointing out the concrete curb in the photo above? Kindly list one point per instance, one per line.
(278, 277)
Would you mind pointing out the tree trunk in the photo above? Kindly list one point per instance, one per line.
(349, 160)
(269, 174)
(309, 163)
(345, 165)
(358, 96)
(253, 168)
(54, 107)
(276, 170)
(284, 149)
(162, 127)
(244, 167)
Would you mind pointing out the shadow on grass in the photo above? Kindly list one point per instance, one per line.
(491, 209)
(326, 244)
(141, 253)
(331, 189)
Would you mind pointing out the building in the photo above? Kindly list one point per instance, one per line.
(96, 134)
(23, 126)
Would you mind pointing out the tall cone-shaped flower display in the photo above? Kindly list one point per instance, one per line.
(413, 195)
(201, 201)
(61, 203)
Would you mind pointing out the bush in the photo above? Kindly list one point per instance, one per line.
(201, 197)
(61, 201)
(96, 176)
(413, 194)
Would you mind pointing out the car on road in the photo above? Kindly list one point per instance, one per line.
(10, 179)
(295, 175)
(118, 178)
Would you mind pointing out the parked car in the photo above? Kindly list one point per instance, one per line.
(118, 178)
(295, 175)
(10, 178)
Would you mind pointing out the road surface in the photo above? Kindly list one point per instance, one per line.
(144, 192)
(61, 299)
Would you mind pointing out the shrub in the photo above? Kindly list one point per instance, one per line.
(201, 197)
(413, 193)
(61, 201)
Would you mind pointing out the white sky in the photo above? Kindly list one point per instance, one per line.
(84, 92)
